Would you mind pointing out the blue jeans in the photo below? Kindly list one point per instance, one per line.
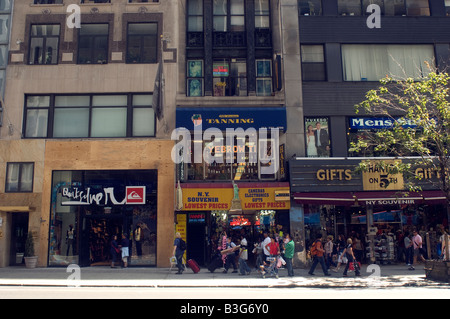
(289, 267)
(243, 267)
(316, 261)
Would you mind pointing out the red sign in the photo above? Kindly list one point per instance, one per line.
(135, 195)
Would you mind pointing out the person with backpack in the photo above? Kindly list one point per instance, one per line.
(179, 246)
(317, 253)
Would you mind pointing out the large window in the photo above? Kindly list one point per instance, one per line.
(44, 44)
(313, 63)
(142, 43)
(374, 62)
(77, 116)
(229, 15)
(264, 77)
(93, 43)
(230, 77)
(19, 177)
(310, 7)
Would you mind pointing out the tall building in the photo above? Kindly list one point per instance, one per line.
(85, 147)
(346, 48)
(231, 116)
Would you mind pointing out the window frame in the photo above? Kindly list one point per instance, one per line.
(92, 38)
(305, 63)
(142, 38)
(51, 108)
(44, 43)
(20, 176)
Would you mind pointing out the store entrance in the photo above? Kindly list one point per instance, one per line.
(99, 231)
(19, 232)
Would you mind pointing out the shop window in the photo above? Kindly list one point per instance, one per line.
(19, 177)
(142, 43)
(310, 7)
(76, 116)
(447, 8)
(230, 77)
(93, 44)
(318, 137)
(349, 7)
(395, 8)
(374, 62)
(227, 162)
(195, 78)
(313, 63)
(44, 44)
(82, 228)
(264, 77)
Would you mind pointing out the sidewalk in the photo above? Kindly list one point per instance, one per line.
(390, 276)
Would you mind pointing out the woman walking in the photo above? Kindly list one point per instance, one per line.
(348, 252)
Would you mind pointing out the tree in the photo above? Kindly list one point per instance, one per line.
(419, 111)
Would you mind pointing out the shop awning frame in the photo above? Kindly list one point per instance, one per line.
(368, 198)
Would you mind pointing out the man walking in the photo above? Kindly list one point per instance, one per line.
(317, 253)
(289, 247)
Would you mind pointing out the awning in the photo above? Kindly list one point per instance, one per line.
(231, 117)
(15, 209)
(371, 198)
(338, 199)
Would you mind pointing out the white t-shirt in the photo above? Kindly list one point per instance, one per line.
(264, 244)
(244, 254)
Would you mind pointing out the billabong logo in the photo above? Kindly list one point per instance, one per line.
(135, 195)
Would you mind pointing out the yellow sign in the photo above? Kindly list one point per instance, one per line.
(200, 199)
(378, 178)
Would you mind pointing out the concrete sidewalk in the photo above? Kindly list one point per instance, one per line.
(389, 276)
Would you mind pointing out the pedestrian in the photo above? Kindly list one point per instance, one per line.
(258, 251)
(178, 251)
(358, 248)
(231, 256)
(317, 252)
(115, 251)
(264, 244)
(329, 248)
(125, 250)
(289, 248)
(243, 257)
(409, 251)
(274, 252)
(348, 251)
(417, 244)
(340, 249)
(445, 248)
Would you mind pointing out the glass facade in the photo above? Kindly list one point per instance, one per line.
(89, 208)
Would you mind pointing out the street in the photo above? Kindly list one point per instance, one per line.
(13, 292)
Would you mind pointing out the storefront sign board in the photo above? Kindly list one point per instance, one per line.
(206, 199)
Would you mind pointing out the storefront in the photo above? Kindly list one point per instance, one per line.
(89, 208)
(100, 189)
(337, 200)
(209, 210)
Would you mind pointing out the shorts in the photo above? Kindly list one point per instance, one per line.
(125, 252)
